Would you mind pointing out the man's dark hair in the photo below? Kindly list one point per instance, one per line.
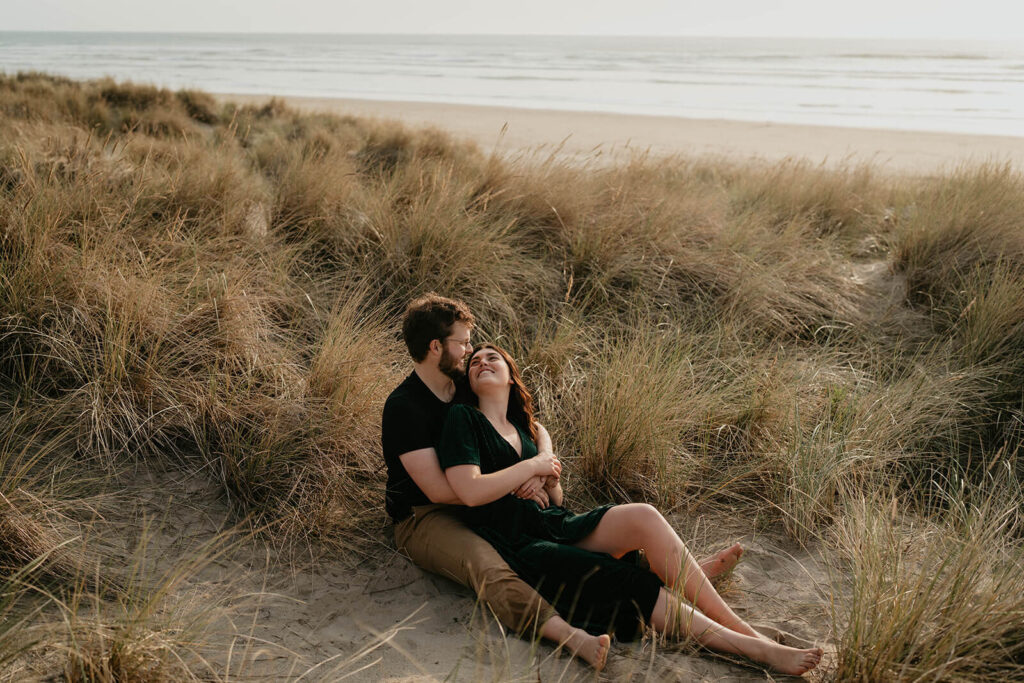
(431, 317)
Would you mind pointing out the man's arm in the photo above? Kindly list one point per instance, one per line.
(425, 471)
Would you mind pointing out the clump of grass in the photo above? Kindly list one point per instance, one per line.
(18, 633)
(389, 147)
(25, 537)
(352, 372)
(35, 474)
(819, 464)
(848, 201)
(290, 446)
(988, 336)
(936, 599)
(200, 106)
(962, 251)
(158, 625)
(624, 417)
(958, 223)
(415, 235)
(131, 645)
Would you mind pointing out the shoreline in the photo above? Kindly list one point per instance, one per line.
(588, 134)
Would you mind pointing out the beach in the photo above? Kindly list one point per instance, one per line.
(589, 134)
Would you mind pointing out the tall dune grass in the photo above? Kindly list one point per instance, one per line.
(938, 599)
(962, 250)
(216, 288)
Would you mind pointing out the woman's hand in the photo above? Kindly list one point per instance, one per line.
(546, 465)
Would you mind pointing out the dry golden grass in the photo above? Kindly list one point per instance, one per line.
(216, 289)
(937, 599)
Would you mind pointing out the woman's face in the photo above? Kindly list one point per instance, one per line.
(487, 371)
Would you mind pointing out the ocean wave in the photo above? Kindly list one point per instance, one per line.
(817, 84)
(891, 56)
(529, 78)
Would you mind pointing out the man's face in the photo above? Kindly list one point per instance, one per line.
(454, 350)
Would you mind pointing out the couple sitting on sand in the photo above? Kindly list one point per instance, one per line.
(473, 488)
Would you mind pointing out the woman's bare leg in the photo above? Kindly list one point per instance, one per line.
(637, 525)
(593, 649)
(678, 619)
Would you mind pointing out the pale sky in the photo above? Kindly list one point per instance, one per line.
(941, 19)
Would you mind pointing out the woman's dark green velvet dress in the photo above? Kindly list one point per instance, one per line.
(593, 591)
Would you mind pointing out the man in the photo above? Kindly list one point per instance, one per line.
(437, 333)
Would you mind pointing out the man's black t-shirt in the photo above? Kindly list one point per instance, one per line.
(413, 419)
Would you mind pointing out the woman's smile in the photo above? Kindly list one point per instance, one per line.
(487, 366)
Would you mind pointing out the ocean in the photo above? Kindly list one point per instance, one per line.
(907, 85)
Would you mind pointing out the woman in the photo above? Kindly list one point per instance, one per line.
(489, 450)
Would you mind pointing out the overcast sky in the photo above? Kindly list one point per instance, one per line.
(943, 19)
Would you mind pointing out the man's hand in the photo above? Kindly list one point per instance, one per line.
(541, 499)
(529, 488)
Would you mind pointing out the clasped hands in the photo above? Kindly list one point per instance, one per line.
(536, 488)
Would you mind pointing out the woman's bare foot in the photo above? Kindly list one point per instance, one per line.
(789, 660)
(721, 562)
(593, 649)
(746, 629)
(785, 637)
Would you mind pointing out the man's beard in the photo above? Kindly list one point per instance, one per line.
(449, 365)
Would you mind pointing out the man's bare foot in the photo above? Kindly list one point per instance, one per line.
(721, 562)
(790, 660)
(593, 649)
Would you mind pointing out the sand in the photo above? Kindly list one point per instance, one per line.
(588, 134)
(273, 615)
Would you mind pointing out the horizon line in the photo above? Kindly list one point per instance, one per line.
(508, 35)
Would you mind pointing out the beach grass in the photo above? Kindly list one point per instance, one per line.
(215, 290)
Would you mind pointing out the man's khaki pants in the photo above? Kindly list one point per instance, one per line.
(436, 539)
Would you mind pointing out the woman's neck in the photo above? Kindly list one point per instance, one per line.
(494, 406)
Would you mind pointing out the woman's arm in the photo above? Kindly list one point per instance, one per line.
(549, 485)
(475, 488)
(543, 439)
(536, 488)
(554, 491)
(553, 483)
